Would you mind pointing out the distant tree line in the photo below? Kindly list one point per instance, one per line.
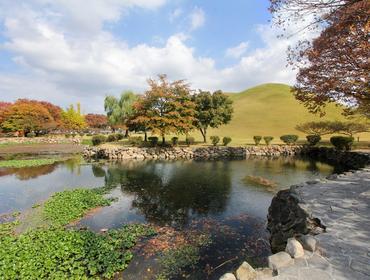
(169, 107)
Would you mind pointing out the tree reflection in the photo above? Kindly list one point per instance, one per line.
(171, 193)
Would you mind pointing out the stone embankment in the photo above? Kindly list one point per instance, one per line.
(320, 230)
(40, 140)
(211, 153)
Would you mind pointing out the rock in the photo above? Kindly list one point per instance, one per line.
(279, 260)
(264, 273)
(308, 242)
(228, 276)
(294, 248)
(246, 272)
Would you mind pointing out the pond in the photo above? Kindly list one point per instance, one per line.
(228, 200)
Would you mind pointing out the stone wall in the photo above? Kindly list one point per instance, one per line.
(197, 153)
(40, 140)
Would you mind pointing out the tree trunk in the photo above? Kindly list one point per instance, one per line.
(145, 136)
(126, 133)
(163, 140)
(204, 134)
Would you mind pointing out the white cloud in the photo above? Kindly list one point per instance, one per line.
(197, 18)
(175, 14)
(237, 51)
(61, 66)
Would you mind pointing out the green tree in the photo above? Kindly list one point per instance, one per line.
(166, 107)
(212, 110)
(120, 111)
(73, 119)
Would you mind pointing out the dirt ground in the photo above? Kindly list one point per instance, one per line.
(41, 149)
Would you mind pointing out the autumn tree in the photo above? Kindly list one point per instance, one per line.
(166, 107)
(3, 106)
(212, 110)
(120, 110)
(72, 118)
(334, 66)
(316, 128)
(26, 117)
(96, 120)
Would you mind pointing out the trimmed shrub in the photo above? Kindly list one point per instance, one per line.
(135, 140)
(289, 139)
(226, 140)
(82, 134)
(112, 138)
(67, 135)
(31, 134)
(257, 139)
(313, 139)
(153, 140)
(342, 142)
(190, 141)
(98, 139)
(120, 136)
(175, 141)
(214, 140)
(268, 139)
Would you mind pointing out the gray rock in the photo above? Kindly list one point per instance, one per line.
(279, 260)
(228, 276)
(308, 242)
(246, 272)
(294, 248)
(264, 273)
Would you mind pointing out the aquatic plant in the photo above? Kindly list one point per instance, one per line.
(19, 163)
(56, 253)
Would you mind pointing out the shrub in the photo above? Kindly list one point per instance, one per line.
(31, 134)
(226, 140)
(135, 140)
(67, 135)
(257, 139)
(190, 141)
(175, 140)
(215, 140)
(82, 134)
(120, 136)
(289, 139)
(268, 139)
(112, 138)
(342, 142)
(153, 140)
(313, 139)
(98, 139)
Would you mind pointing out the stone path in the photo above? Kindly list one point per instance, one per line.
(342, 203)
(342, 251)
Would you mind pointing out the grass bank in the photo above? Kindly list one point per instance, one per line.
(19, 163)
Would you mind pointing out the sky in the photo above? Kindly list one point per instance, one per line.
(68, 51)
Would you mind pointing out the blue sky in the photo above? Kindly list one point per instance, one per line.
(66, 51)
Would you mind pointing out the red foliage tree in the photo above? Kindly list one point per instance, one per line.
(335, 66)
(96, 120)
(26, 116)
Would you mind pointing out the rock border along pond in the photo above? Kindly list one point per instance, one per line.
(171, 153)
(320, 229)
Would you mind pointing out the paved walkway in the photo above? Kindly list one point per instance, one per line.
(343, 205)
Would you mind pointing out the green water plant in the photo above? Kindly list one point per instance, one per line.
(67, 206)
(19, 163)
(57, 253)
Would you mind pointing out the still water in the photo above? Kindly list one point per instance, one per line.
(222, 197)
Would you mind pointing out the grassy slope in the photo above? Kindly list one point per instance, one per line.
(269, 109)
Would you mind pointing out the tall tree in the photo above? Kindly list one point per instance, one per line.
(96, 120)
(26, 117)
(73, 119)
(166, 107)
(212, 110)
(334, 66)
(119, 111)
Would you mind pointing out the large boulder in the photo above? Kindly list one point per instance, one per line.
(246, 272)
(294, 248)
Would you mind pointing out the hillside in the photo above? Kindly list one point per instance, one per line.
(268, 109)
